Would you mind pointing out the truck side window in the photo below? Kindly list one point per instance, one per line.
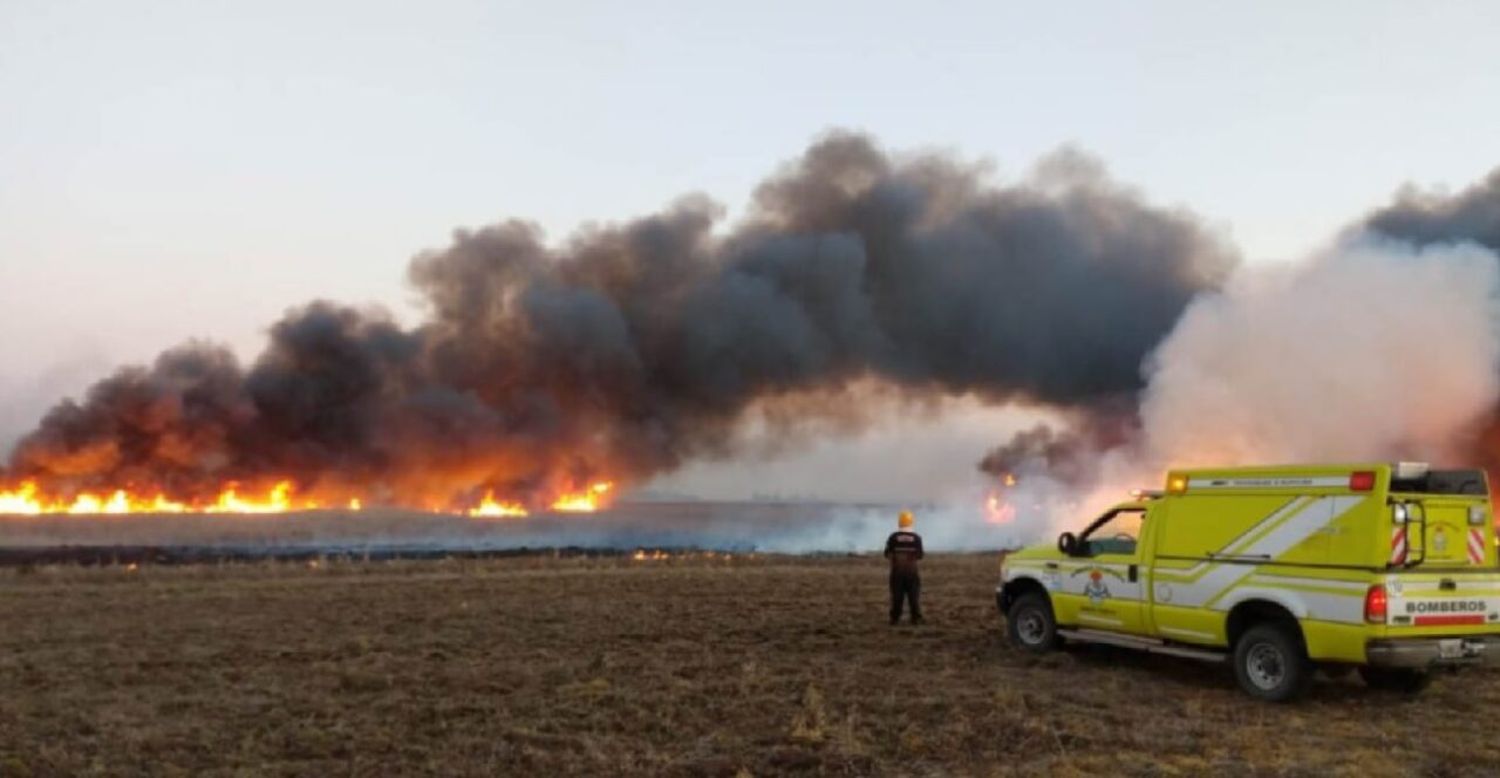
(1113, 533)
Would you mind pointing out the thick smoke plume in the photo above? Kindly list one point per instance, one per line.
(1470, 217)
(1372, 352)
(1386, 346)
(628, 349)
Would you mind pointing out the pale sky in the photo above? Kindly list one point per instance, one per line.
(172, 170)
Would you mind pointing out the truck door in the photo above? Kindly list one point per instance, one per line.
(1100, 586)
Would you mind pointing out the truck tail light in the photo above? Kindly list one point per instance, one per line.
(1361, 481)
(1376, 604)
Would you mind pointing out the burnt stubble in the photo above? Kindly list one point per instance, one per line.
(668, 664)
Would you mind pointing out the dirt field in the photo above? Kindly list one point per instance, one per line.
(683, 666)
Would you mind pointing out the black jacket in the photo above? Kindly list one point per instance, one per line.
(903, 548)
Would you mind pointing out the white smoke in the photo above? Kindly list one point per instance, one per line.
(1371, 351)
(961, 521)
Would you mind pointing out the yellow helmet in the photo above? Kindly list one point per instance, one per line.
(905, 520)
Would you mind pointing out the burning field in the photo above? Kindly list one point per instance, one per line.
(643, 663)
(557, 377)
(27, 498)
(386, 533)
(548, 385)
(552, 376)
(549, 378)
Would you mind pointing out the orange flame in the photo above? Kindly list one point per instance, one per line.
(583, 502)
(28, 498)
(489, 507)
(997, 510)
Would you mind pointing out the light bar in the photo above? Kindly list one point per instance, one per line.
(1405, 471)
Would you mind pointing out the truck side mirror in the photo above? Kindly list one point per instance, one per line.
(1067, 543)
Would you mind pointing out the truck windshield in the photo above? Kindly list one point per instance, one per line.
(1113, 533)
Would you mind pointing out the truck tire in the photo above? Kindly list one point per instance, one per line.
(1395, 679)
(1031, 625)
(1270, 663)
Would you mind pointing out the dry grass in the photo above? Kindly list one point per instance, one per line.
(703, 666)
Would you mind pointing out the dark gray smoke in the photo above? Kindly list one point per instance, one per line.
(1426, 218)
(628, 349)
(1066, 455)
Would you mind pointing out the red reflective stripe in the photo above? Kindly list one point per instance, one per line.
(1476, 546)
(1448, 621)
(1398, 545)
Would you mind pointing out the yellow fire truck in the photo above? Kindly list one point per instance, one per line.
(1387, 568)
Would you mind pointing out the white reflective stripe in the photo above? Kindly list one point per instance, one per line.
(1301, 526)
(1245, 539)
(1354, 587)
(1476, 546)
(1269, 482)
(1319, 606)
(1322, 606)
(1322, 512)
(1232, 548)
(1398, 544)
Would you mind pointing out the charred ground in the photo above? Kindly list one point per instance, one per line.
(692, 665)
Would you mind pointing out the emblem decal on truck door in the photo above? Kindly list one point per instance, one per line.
(1095, 589)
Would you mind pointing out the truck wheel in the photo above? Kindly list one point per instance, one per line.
(1270, 663)
(1031, 625)
(1395, 679)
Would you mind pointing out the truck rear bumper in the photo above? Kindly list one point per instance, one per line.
(1429, 652)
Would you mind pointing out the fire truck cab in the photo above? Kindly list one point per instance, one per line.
(1389, 569)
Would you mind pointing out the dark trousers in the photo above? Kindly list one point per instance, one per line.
(906, 587)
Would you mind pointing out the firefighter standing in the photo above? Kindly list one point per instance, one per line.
(904, 548)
